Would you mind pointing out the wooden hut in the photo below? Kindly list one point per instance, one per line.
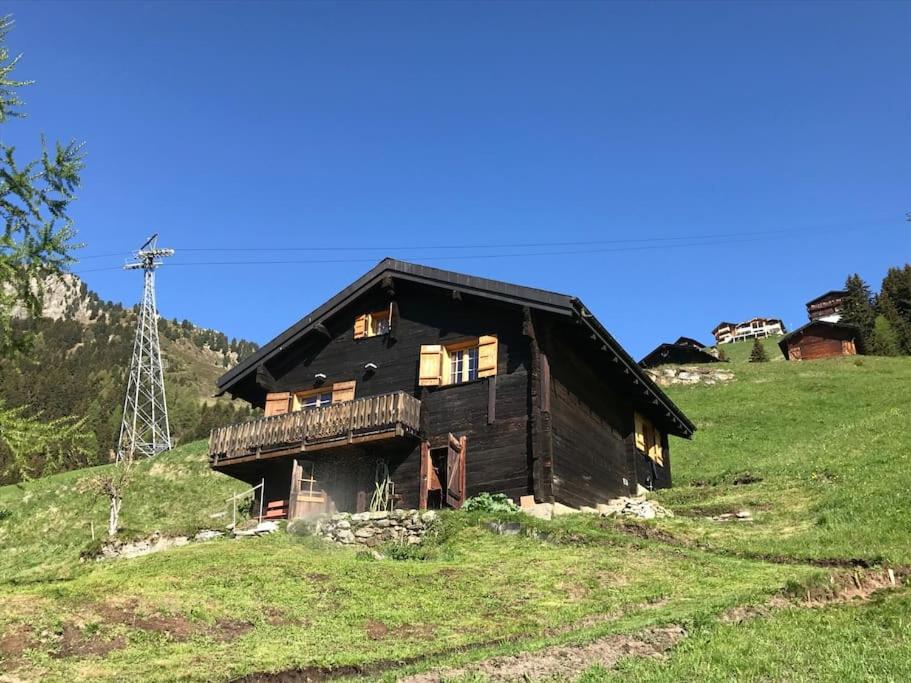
(821, 339)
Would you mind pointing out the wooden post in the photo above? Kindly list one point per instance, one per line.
(295, 489)
(425, 475)
(540, 427)
(463, 442)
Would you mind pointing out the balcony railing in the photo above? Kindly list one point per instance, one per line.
(363, 419)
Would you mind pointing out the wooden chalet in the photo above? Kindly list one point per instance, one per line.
(827, 307)
(821, 339)
(677, 354)
(438, 386)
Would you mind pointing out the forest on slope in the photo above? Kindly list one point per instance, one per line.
(78, 367)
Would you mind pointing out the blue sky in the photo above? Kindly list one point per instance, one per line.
(421, 130)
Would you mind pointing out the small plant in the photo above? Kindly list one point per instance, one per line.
(4, 513)
(758, 354)
(490, 502)
(722, 356)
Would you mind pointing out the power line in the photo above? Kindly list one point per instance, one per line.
(618, 246)
(437, 257)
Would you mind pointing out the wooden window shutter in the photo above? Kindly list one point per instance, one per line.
(360, 326)
(487, 356)
(343, 391)
(277, 403)
(431, 370)
(640, 432)
(657, 453)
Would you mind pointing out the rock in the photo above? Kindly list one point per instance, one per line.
(364, 532)
(345, 536)
(343, 524)
(541, 510)
(414, 540)
(561, 509)
(266, 527)
(588, 510)
(360, 517)
(377, 514)
(207, 535)
(429, 517)
(217, 515)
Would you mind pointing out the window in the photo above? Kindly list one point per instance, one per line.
(373, 324)
(458, 362)
(324, 396)
(313, 398)
(463, 365)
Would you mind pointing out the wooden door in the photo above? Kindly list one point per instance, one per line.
(455, 472)
(311, 498)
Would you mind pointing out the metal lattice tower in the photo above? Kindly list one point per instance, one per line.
(145, 429)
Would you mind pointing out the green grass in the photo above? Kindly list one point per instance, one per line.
(866, 642)
(48, 521)
(827, 443)
(831, 443)
(307, 605)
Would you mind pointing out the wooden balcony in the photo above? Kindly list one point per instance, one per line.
(349, 422)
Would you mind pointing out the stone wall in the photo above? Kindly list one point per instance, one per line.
(666, 375)
(373, 528)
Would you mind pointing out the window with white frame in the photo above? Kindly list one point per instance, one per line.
(463, 365)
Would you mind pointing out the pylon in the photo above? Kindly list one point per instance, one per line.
(144, 429)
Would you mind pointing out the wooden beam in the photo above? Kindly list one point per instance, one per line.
(539, 419)
(323, 330)
(424, 491)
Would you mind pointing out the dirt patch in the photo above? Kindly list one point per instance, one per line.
(563, 661)
(745, 478)
(15, 642)
(376, 630)
(175, 626)
(74, 642)
(319, 578)
(651, 533)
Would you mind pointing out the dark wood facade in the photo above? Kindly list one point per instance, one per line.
(820, 339)
(555, 419)
(827, 306)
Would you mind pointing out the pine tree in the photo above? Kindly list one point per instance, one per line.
(858, 307)
(757, 353)
(894, 303)
(884, 340)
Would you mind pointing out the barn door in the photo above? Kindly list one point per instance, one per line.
(455, 472)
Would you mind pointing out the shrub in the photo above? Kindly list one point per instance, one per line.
(490, 502)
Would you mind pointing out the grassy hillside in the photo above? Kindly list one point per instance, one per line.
(829, 447)
(824, 446)
(739, 352)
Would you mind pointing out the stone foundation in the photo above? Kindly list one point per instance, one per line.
(668, 375)
(373, 528)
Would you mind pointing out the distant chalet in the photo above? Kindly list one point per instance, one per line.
(433, 386)
(754, 328)
(684, 351)
(827, 307)
(824, 336)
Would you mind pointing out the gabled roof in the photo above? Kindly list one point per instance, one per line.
(830, 294)
(689, 341)
(684, 354)
(722, 324)
(551, 302)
